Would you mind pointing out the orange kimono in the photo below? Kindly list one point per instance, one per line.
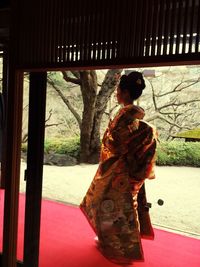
(115, 203)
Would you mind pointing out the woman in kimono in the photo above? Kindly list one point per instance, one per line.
(115, 204)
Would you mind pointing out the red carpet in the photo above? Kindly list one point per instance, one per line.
(67, 241)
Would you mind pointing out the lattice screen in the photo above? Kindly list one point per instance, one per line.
(57, 33)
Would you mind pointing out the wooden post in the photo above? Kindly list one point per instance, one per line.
(12, 166)
(37, 107)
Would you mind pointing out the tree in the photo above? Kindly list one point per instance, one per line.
(175, 105)
(95, 97)
(49, 113)
(24, 124)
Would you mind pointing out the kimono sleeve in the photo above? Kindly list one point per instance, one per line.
(141, 155)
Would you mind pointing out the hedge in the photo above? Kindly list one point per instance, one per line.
(174, 153)
(70, 146)
(67, 146)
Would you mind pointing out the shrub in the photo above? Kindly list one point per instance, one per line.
(69, 146)
(178, 154)
(174, 153)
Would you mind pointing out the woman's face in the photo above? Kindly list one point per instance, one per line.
(122, 96)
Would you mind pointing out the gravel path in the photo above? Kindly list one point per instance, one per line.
(179, 187)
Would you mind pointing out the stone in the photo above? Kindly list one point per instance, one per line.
(59, 160)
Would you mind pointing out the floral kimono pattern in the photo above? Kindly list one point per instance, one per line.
(115, 204)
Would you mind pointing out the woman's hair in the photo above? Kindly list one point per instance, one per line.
(134, 83)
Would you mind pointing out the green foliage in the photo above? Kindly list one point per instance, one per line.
(178, 154)
(173, 153)
(70, 146)
(57, 78)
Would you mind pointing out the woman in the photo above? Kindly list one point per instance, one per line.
(115, 204)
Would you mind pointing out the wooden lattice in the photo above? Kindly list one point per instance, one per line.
(67, 33)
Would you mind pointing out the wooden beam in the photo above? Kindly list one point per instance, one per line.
(12, 166)
(139, 62)
(4, 18)
(37, 106)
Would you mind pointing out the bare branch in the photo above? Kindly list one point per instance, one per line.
(70, 79)
(158, 116)
(178, 104)
(175, 90)
(66, 101)
(49, 117)
(193, 83)
(76, 74)
(110, 111)
(113, 108)
(25, 107)
(53, 124)
(25, 138)
(170, 113)
(153, 95)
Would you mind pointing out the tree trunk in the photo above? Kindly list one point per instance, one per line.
(108, 86)
(95, 140)
(89, 92)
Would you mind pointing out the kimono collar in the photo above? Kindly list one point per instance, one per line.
(136, 111)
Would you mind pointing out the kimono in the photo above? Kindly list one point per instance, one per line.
(115, 204)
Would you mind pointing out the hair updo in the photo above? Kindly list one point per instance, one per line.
(134, 83)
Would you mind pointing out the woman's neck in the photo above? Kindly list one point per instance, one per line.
(128, 103)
